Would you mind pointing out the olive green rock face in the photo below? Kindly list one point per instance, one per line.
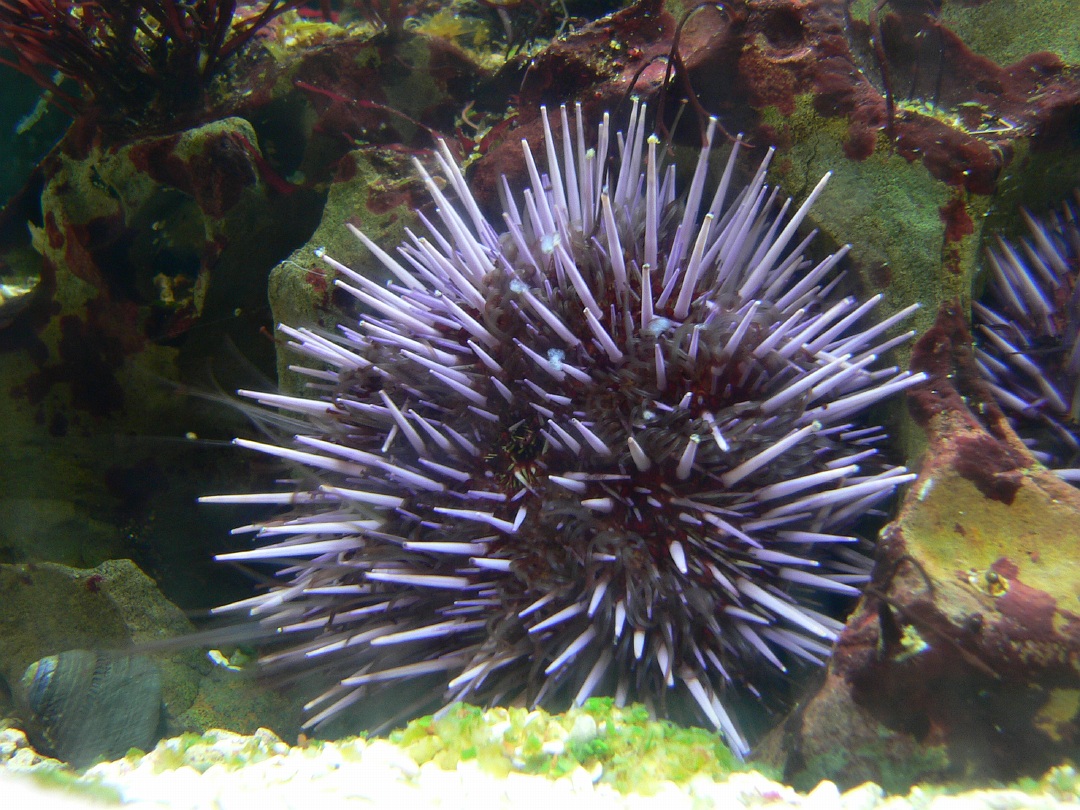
(381, 196)
(51, 614)
(1007, 30)
(87, 706)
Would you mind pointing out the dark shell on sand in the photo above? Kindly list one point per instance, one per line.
(86, 706)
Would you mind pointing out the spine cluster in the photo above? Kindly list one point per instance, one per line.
(1028, 330)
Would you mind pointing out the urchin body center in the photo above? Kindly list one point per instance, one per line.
(583, 495)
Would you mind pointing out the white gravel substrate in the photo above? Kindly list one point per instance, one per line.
(376, 774)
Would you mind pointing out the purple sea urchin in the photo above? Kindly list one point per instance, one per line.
(608, 450)
(1028, 326)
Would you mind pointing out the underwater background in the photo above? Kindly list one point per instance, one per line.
(174, 173)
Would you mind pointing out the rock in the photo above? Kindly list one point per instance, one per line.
(377, 191)
(49, 608)
(55, 530)
(823, 797)
(963, 657)
(864, 797)
(125, 239)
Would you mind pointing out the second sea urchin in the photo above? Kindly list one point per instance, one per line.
(1028, 326)
(608, 447)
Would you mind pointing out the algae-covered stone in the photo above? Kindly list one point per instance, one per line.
(1006, 30)
(49, 608)
(915, 236)
(889, 209)
(963, 656)
(379, 193)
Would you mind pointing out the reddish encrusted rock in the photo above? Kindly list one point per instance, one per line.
(130, 240)
(150, 255)
(962, 660)
(913, 180)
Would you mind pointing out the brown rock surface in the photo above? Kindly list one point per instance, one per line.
(962, 660)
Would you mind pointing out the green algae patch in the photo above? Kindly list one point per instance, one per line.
(1006, 30)
(621, 747)
(67, 781)
(957, 528)
(888, 208)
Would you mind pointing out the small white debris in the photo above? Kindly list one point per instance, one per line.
(498, 731)
(924, 489)
(825, 796)
(657, 327)
(11, 740)
(866, 796)
(554, 748)
(583, 731)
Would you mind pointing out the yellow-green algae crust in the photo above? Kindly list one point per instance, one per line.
(1062, 783)
(956, 528)
(92, 788)
(621, 747)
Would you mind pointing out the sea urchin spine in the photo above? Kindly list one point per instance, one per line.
(607, 447)
(1028, 325)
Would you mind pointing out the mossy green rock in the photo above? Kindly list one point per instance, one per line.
(378, 193)
(1007, 30)
(49, 608)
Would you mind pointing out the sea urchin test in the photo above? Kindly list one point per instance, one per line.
(610, 444)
